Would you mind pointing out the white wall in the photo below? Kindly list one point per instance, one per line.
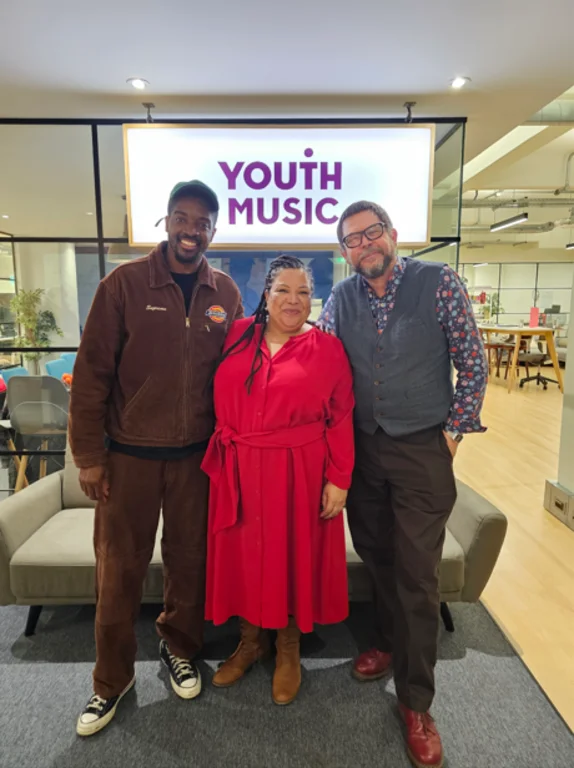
(52, 266)
(519, 289)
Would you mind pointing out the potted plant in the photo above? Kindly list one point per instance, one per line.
(494, 305)
(36, 324)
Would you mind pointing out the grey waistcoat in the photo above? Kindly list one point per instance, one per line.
(403, 376)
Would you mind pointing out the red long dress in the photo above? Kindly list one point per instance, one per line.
(270, 555)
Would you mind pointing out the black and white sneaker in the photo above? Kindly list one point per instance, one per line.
(184, 675)
(98, 712)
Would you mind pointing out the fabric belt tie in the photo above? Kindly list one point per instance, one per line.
(221, 463)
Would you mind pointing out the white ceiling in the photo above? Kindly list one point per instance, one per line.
(257, 59)
(543, 170)
(68, 59)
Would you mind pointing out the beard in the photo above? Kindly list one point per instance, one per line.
(182, 255)
(378, 268)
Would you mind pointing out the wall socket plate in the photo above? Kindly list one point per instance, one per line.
(559, 501)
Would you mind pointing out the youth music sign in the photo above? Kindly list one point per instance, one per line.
(281, 186)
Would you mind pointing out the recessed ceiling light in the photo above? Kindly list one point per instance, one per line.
(89, 213)
(460, 82)
(5, 216)
(137, 82)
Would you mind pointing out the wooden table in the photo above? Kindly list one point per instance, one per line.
(520, 334)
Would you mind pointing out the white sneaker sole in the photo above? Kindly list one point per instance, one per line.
(88, 729)
(187, 693)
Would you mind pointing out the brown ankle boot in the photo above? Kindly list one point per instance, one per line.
(254, 645)
(287, 677)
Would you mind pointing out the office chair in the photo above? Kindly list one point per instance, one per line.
(17, 370)
(57, 368)
(536, 358)
(38, 408)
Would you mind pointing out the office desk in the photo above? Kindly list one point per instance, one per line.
(525, 333)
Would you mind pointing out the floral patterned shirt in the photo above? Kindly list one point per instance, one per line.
(456, 318)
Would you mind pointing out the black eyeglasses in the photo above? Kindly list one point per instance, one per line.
(373, 232)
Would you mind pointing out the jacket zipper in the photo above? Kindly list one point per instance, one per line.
(186, 358)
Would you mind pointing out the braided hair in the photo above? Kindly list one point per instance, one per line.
(261, 315)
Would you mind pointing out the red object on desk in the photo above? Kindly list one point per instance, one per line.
(534, 317)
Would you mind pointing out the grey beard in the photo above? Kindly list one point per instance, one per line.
(376, 270)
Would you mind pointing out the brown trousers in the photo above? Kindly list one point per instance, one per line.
(402, 494)
(124, 538)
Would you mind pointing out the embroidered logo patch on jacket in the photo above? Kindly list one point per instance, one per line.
(216, 313)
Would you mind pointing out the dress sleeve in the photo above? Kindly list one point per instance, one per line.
(340, 438)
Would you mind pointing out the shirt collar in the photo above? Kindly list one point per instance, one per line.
(396, 276)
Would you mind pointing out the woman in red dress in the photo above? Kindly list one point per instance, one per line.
(280, 464)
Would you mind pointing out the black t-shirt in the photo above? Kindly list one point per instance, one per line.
(187, 284)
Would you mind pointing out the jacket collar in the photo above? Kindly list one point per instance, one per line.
(160, 276)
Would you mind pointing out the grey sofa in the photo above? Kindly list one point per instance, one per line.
(561, 348)
(47, 558)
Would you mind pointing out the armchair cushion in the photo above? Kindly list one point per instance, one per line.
(57, 563)
(452, 569)
(480, 529)
(474, 536)
(22, 515)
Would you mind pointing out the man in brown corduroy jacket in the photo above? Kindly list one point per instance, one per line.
(141, 415)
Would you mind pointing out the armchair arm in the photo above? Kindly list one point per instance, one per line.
(21, 515)
(480, 529)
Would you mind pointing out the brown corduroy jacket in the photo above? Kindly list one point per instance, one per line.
(143, 373)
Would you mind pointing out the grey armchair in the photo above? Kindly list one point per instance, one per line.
(474, 537)
(47, 558)
(46, 549)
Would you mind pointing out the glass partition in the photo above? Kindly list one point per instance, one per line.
(446, 194)
(112, 181)
(505, 293)
(8, 329)
(63, 227)
(248, 269)
(47, 181)
(49, 194)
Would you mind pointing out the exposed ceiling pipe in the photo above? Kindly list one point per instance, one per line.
(566, 187)
(523, 244)
(525, 229)
(526, 202)
(558, 111)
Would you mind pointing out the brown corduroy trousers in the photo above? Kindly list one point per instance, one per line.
(124, 537)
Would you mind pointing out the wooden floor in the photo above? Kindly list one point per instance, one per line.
(531, 593)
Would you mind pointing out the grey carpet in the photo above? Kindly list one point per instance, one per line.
(490, 712)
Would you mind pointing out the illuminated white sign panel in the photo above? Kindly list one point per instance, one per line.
(282, 186)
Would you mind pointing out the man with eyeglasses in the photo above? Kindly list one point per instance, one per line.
(141, 416)
(403, 322)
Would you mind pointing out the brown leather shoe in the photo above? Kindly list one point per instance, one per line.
(372, 665)
(287, 677)
(424, 746)
(254, 645)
